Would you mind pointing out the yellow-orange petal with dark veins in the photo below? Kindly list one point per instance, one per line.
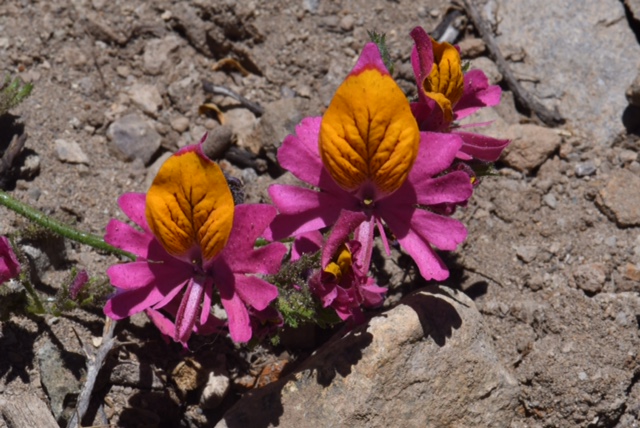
(342, 265)
(368, 132)
(445, 83)
(189, 206)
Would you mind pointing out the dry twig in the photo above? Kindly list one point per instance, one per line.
(9, 157)
(94, 363)
(255, 108)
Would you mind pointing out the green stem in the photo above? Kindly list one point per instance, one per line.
(59, 228)
(32, 292)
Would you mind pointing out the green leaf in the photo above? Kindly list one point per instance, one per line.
(380, 40)
(12, 93)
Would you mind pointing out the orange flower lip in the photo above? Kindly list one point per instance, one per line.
(445, 83)
(368, 132)
(190, 207)
(342, 264)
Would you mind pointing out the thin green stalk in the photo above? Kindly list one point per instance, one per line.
(34, 296)
(59, 228)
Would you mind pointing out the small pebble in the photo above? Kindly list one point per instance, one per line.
(30, 167)
(347, 22)
(146, 97)
(584, 169)
(123, 71)
(627, 156)
(550, 200)
(179, 124)
(590, 277)
(70, 152)
(527, 253)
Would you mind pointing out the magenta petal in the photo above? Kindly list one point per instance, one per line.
(239, 322)
(299, 153)
(206, 302)
(453, 187)
(134, 205)
(372, 294)
(130, 276)
(250, 222)
(306, 243)
(436, 154)
(429, 264)
(345, 225)
(164, 324)
(445, 233)
(9, 265)
(138, 274)
(421, 57)
(477, 94)
(255, 292)
(189, 306)
(482, 147)
(127, 238)
(167, 301)
(266, 260)
(417, 230)
(303, 210)
(293, 199)
(429, 115)
(369, 58)
(126, 303)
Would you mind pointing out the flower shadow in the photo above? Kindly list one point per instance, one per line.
(17, 349)
(437, 316)
(337, 358)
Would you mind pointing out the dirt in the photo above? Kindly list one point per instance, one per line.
(555, 277)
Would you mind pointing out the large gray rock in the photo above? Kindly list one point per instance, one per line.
(580, 58)
(427, 362)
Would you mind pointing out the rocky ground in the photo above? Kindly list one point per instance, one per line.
(538, 324)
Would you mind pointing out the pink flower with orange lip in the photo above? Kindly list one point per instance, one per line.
(9, 265)
(446, 94)
(341, 283)
(367, 155)
(195, 246)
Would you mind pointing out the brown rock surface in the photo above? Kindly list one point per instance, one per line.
(427, 362)
(620, 198)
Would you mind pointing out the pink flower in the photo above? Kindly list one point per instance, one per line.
(342, 283)
(367, 155)
(78, 284)
(9, 265)
(193, 242)
(446, 94)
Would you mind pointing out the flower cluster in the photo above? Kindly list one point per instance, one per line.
(377, 166)
(192, 240)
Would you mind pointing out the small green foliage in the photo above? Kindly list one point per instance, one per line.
(483, 169)
(380, 40)
(92, 295)
(295, 301)
(466, 65)
(12, 93)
